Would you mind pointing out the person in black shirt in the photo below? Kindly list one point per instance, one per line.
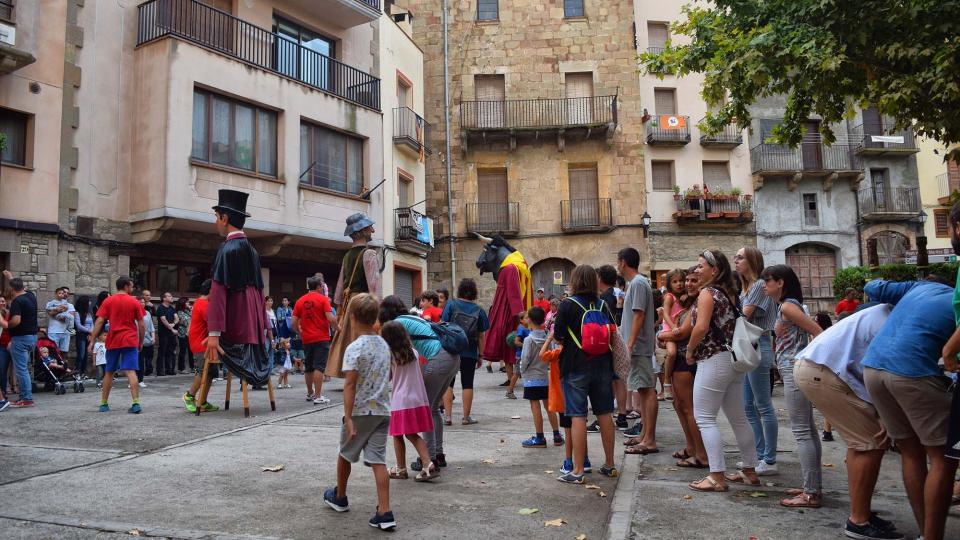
(607, 275)
(584, 376)
(167, 321)
(23, 328)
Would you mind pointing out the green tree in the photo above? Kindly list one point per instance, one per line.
(827, 57)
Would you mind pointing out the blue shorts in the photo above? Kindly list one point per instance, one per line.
(125, 359)
(592, 380)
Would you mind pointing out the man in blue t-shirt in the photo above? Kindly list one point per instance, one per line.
(911, 393)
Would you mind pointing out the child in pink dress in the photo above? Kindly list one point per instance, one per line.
(409, 408)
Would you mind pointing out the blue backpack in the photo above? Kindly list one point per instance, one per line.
(451, 337)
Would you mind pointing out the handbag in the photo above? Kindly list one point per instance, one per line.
(621, 357)
(745, 346)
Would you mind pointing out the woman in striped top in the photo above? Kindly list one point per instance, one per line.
(761, 311)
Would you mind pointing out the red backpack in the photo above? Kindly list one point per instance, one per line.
(595, 329)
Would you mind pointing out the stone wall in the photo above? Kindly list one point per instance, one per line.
(533, 46)
(679, 246)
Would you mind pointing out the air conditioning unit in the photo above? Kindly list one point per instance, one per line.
(8, 34)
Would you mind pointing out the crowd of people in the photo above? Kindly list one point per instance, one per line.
(883, 375)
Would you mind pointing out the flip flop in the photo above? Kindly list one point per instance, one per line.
(631, 441)
(741, 478)
(697, 464)
(681, 454)
(713, 487)
(804, 500)
(641, 450)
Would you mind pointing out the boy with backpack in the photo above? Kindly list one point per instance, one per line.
(535, 380)
(464, 312)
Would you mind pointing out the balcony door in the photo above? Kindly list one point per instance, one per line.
(880, 188)
(579, 90)
(491, 94)
(584, 197)
(493, 208)
(304, 54)
(810, 146)
(872, 125)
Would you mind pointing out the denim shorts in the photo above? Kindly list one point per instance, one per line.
(593, 380)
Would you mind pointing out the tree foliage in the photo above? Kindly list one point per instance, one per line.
(827, 57)
(856, 277)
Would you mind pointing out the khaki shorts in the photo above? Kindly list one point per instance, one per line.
(855, 419)
(371, 440)
(641, 373)
(911, 406)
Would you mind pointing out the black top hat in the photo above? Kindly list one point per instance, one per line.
(232, 201)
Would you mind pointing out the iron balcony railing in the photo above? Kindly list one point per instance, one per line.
(375, 4)
(948, 183)
(586, 214)
(538, 113)
(493, 217)
(719, 207)
(410, 128)
(808, 156)
(668, 129)
(879, 200)
(230, 36)
(408, 224)
(731, 136)
(873, 138)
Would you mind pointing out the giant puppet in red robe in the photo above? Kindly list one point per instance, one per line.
(514, 294)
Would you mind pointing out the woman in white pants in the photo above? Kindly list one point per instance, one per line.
(717, 385)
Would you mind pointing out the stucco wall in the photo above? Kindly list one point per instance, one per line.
(929, 166)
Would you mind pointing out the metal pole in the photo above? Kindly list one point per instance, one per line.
(446, 120)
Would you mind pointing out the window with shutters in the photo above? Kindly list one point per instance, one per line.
(406, 284)
(16, 128)
(716, 174)
(578, 88)
(662, 173)
(658, 33)
(573, 8)
(810, 214)
(493, 207)
(6, 10)
(404, 91)
(487, 10)
(490, 93)
(665, 100)
(404, 189)
(941, 222)
(584, 206)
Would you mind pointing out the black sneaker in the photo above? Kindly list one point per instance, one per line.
(339, 504)
(634, 431)
(384, 521)
(869, 531)
(827, 436)
(622, 424)
(416, 465)
(441, 460)
(505, 383)
(881, 523)
(594, 427)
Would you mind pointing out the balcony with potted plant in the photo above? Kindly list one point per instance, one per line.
(701, 205)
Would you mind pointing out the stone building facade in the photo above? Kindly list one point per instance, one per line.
(545, 134)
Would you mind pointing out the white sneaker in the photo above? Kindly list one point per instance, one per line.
(287, 386)
(143, 384)
(321, 400)
(279, 386)
(765, 469)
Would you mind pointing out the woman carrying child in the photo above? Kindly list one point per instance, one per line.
(410, 412)
(671, 310)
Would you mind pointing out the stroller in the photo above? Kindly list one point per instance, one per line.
(50, 379)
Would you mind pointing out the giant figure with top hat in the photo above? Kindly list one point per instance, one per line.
(236, 319)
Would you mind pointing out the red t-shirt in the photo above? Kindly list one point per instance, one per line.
(197, 332)
(312, 309)
(544, 304)
(122, 311)
(844, 305)
(432, 314)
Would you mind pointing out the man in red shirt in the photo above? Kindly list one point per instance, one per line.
(849, 302)
(125, 315)
(541, 301)
(197, 337)
(312, 319)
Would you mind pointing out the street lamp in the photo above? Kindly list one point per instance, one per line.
(923, 258)
(645, 223)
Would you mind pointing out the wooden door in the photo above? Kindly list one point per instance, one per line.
(584, 197)
(811, 146)
(816, 267)
(579, 90)
(872, 125)
(493, 208)
(491, 93)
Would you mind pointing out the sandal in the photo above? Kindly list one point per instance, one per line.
(640, 449)
(633, 415)
(398, 473)
(631, 441)
(427, 474)
(695, 464)
(712, 485)
(741, 478)
(804, 500)
(681, 454)
(448, 421)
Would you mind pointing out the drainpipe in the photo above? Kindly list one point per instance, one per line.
(446, 121)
